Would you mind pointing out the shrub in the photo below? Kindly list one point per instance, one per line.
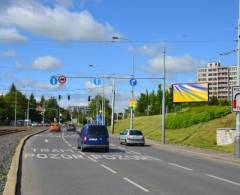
(195, 115)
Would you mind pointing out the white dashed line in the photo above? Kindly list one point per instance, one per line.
(222, 179)
(46, 140)
(81, 152)
(179, 166)
(112, 145)
(121, 148)
(109, 169)
(135, 184)
(92, 159)
(133, 152)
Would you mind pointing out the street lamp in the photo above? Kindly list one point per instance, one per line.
(133, 73)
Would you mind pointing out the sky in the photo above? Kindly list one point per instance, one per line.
(44, 38)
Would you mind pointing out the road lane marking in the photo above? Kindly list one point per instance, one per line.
(92, 159)
(112, 145)
(109, 169)
(135, 184)
(81, 153)
(222, 179)
(46, 140)
(132, 152)
(179, 166)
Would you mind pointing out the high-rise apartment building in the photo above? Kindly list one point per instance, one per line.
(220, 79)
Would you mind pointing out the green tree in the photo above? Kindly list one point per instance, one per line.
(95, 108)
(34, 115)
(21, 100)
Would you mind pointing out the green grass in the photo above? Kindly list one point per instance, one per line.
(201, 135)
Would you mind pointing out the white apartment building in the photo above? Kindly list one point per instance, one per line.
(220, 79)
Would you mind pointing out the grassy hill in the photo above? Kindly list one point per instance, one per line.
(202, 134)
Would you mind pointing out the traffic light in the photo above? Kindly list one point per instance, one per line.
(59, 97)
(89, 98)
(69, 97)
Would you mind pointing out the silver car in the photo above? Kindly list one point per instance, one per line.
(132, 136)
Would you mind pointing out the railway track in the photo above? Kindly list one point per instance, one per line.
(10, 130)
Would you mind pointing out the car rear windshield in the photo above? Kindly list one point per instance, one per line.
(135, 132)
(97, 131)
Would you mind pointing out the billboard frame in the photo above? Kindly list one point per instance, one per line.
(190, 101)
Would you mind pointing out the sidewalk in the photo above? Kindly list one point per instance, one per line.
(196, 152)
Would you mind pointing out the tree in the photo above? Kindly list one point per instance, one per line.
(95, 108)
(3, 111)
(52, 109)
(16, 96)
(34, 115)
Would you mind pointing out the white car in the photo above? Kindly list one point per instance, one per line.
(132, 136)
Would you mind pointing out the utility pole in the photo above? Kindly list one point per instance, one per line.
(163, 96)
(28, 113)
(237, 139)
(113, 105)
(15, 110)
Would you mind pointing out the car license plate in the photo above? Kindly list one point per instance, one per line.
(92, 139)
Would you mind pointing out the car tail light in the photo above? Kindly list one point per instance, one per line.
(85, 138)
(130, 137)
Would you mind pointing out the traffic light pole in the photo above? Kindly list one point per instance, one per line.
(163, 96)
(113, 107)
(237, 139)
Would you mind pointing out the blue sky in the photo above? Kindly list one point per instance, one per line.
(39, 39)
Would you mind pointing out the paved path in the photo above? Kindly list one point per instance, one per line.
(53, 165)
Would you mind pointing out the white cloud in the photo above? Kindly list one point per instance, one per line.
(46, 63)
(8, 53)
(56, 22)
(8, 35)
(147, 50)
(174, 64)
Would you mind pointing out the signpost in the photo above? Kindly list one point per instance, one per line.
(62, 79)
(97, 81)
(236, 99)
(53, 80)
(132, 103)
(133, 82)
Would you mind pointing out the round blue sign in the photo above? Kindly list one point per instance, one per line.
(97, 81)
(53, 80)
(133, 82)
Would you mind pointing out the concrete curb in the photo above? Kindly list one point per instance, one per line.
(12, 177)
(196, 152)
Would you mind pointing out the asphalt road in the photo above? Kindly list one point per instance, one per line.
(53, 165)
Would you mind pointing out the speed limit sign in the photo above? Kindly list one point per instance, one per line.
(62, 79)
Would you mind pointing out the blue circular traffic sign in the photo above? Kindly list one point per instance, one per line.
(53, 80)
(97, 81)
(133, 82)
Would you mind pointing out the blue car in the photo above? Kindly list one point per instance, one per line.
(93, 136)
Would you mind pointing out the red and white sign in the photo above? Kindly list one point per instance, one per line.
(62, 79)
(236, 99)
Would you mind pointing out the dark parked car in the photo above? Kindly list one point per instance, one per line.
(93, 136)
(71, 127)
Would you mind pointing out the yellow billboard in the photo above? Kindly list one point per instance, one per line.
(190, 92)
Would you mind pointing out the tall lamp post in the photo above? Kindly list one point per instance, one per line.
(133, 74)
